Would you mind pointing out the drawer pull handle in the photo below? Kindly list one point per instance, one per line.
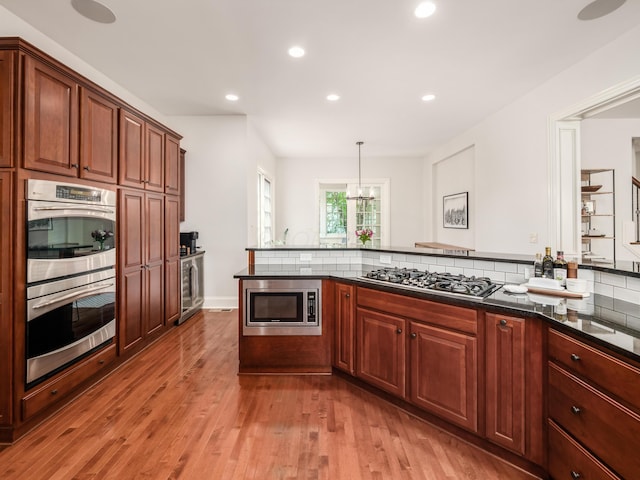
(575, 357)
(54, 392)
(575, 474)
(414, 335)
(101, 361)
(575, 410)
(399, 331)
(503, 322)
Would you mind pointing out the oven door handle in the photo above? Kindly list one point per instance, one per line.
(90, 208)
(77, 295)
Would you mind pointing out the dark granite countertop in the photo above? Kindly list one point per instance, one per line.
(612, 323)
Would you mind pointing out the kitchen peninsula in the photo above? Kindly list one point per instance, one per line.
(501, 371)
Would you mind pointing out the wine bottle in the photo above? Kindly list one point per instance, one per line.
(547, 263)
(537, 265)
(560, 268)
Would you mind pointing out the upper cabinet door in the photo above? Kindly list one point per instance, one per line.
(50, 120)
(172, 165)
(154, 179)
(7, 63)
(98, 138)
(132, 156)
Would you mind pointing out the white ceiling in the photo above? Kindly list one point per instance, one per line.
(182, 57)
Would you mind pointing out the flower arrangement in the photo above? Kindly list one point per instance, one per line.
(100, 236)
(364, 235)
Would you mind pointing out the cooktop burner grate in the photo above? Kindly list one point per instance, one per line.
(472, 287)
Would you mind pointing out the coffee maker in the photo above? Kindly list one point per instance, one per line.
(188, 242)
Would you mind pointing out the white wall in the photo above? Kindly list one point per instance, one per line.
(511, 156)
(261, 158)
(217, 168)
(452, 175)
(297, 202)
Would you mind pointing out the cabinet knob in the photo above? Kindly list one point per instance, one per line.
(86, 167)
(54, 392)
(101, 361)
(575, 410)
(503, 322)
(575, 357)
(347, 295)
(399, 331)
(74, 165)
(575, 474)
(414, 335)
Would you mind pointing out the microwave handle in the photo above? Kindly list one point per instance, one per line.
(77, 295)
(90, 208)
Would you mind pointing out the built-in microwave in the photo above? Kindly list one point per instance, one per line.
(282, 307)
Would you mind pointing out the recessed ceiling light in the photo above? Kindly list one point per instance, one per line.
(232, 97)
(296, 52)
(333, 97)
(94, 11)
(425, 9)
(599, 8)
(428, 97)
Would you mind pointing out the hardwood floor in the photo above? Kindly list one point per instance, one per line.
(179, 410)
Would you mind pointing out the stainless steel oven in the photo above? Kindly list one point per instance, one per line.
(70, 229)
(282, 307)
(67, 319)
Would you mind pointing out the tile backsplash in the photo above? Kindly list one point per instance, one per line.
(607, 284)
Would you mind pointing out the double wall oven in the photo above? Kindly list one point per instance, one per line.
(71, 280)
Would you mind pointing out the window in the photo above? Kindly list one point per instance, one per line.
(340, 218)
(265, 210)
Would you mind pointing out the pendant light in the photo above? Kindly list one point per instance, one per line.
(359, 195)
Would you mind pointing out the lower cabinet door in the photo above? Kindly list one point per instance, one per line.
(381, 352)
(444, 374)
(505, 381)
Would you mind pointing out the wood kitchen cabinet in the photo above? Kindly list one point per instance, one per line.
(382, 350)
(6, 298)
(505, 380)
(7, 99)
(141, 271)
(131, 169)
(50, 119)
(344, 327)
(98, 137)
(183, 155)
(594, 410)
(514, 384)
(54, 120)
(154, 158)
(172, 159)
(142, 147)
(172, 259)
(444, 373)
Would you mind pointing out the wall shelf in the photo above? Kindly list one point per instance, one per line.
(597, 218)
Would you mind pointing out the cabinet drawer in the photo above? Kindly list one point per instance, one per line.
(568, 460)
(606, 428)
(59, 388)
(613, 375)
(448, 316)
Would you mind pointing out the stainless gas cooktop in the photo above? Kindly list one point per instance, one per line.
(474, 288)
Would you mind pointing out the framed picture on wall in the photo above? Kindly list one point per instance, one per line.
(455, 210)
